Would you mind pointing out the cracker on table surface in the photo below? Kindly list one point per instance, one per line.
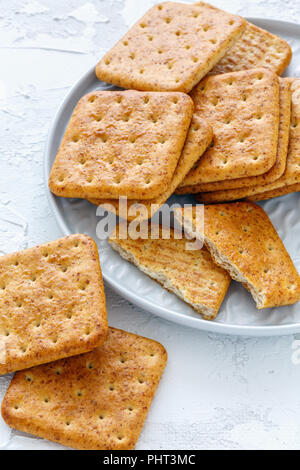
(52, 303)
(121, 143)
(171, 48)
(94, 401)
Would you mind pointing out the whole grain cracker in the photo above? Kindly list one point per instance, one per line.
(52, 303)
(121, 143)
(242, 240)
(291, 174)
(171, 48)
(198, 139)
(256, 48)
(94, 401)
(292, 188)
(243, 108)
(245, 184)
(190, 274)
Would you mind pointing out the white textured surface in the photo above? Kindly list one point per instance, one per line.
(218, 392)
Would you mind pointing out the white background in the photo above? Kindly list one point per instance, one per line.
(217, 392)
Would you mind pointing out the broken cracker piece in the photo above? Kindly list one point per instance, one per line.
(242, 240)
(190, 274)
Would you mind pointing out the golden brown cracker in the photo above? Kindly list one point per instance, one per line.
(171, 48)
(291, 174)
(243, 109)
(121, 143)
(52, 303)
(94, 401)
(256, 47)
(190, 274)
(242, 240)
(275, 172)
(292, 188)
(198, 139)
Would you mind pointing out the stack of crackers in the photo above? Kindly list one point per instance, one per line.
(234, 137)
(204, 111)
(79, 383)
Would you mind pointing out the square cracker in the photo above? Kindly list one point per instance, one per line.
(292, 188)
(282, 147)
(94, 401)
(52, 303)
(243, 109)
(171, 48)
(121, 143)
(242, 239)
(198, 139)
(190, 274)
(291, 175)
(256, 48)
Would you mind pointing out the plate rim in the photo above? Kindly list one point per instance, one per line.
(163, 312)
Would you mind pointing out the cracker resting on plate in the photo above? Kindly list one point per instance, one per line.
(291, 176)
(256, 48)
(198, 139)
(242, 240)
(275, 192)
(190, 274)
(278, 168)
(243, 109)
(171, 48)
(121, 143)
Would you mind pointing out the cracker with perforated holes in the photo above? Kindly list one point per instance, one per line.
(52, 303)
(243, 185)
(256, 48)
(243, 109)
(242, 240)
(292, 188)
(291, 175)
(121, 143)
(94, 401)
(190, 274)
(198, 139)
(171, 48)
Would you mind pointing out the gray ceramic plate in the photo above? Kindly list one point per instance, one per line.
(238, 314)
